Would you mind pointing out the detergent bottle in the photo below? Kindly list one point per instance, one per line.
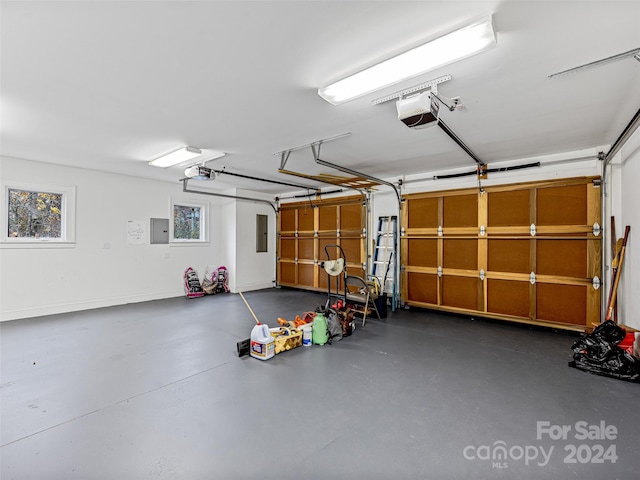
(263, 345)
(319, 330)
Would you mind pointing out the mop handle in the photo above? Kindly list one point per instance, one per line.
(247, 304)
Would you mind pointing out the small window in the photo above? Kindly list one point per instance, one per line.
(188, 223)
(262, 233)
(35, 214)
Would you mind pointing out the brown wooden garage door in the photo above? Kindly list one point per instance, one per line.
(524, 252)
(305, 228)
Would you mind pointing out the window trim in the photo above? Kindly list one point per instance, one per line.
(204, 223)
(67, 217)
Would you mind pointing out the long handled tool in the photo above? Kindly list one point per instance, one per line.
(614, 293)
(384, 282)
(245, 345)
(616, 249)
(249, 307)
(615, 257)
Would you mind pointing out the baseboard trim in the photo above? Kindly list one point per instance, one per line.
(85, 305)
(247, 287)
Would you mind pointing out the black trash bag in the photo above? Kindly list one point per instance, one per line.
(334, 329)
(598, 353)
(609, 332)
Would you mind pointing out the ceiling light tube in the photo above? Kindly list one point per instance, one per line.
(176, 157)
(459, 44)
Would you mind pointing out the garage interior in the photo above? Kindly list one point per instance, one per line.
(487, 196)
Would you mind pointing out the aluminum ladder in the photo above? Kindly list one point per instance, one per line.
(384, 257)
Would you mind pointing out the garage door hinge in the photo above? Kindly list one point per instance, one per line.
(532, 278)
(481, 274)
(597, 229)
(532, 230)
(439, 271)
(402, 231)
(482, 230)
(440, 231)
(596, 283)
(402, 268)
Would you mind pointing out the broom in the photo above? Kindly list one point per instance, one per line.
(614, 290)
(244, 346)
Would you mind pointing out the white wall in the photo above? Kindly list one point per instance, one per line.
(248, 269)
(255, 270)
(41, 281)
(628, 213)
(228, 236)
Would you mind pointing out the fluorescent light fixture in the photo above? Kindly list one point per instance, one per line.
(174, 158)
(462, 43)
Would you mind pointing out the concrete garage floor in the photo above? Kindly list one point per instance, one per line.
(156, 390)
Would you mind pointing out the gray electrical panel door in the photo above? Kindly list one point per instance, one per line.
(159, 230)
(262, 232)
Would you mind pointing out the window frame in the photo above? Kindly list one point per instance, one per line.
(67, 216)
(204, 223)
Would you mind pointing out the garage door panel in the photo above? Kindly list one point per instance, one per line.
(351, 217)
(422, 252)
(328, 217)
(461, 253)
(317, 226)
(423, 213)
(306, 275)
(288, 220)
(508, 255)
(508, 209)
(460, 292)
(287, 273)
(333, 251)
(566, 205)
(351, 248)
(562, 257)
(562, 303)
(288, 248)
(460, 211)
(508, 297)
(305, 248)
(523, 252)
(422, 288)
(306, 220)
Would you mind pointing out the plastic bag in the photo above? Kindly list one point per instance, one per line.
(599, 353)
(210, 280)
(192, 286)
(334, 327)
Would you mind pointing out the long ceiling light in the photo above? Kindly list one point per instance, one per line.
(459, 44)
(176, 157)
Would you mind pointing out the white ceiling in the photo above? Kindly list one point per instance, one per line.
(112, 85)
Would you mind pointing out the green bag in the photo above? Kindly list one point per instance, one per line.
(319, 330)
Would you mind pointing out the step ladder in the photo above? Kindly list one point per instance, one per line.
(384, 257)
